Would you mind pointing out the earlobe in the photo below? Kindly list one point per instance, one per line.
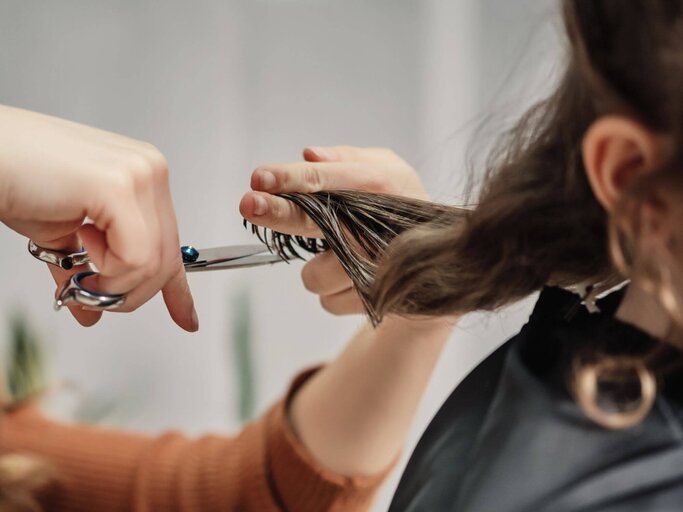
(616, 151)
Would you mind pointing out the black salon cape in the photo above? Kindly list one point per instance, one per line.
(511, 438)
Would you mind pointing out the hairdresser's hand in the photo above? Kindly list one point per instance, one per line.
(55, 173)
(341, 167)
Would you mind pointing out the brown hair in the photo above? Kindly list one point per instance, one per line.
(537, 221)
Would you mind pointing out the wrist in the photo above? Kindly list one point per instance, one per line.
(411, 341)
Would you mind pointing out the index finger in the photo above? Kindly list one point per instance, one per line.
(310, 177)
(278, 214)
(352, 154)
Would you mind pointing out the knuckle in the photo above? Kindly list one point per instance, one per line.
(123, 183)
(312, 178)
(139, 168)
(139, 163)
(134, 262)
(276, 211)
(130, 260)
(152, 150)
(157, 162)
(152, 267)
(147, 167)
(375, 183)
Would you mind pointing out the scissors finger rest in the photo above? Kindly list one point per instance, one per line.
(194, 260)
(73, 291)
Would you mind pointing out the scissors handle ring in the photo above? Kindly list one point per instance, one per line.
(57, 258)
(73, 291)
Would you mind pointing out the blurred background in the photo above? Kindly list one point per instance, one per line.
(221, 87)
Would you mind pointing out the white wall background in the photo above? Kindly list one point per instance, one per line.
(220, 87)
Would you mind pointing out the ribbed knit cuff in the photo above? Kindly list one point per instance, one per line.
(301, 482)
(76, 451)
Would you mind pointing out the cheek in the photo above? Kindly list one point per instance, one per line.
(660, 224)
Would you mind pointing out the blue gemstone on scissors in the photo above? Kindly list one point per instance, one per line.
(189, 253)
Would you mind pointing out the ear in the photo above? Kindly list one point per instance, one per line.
(616, 151)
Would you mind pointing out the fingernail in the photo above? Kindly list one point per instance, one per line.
(267, 180)
(322, 153)
(260, 205)
(195, 320)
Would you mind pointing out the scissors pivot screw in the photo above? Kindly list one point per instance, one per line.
(189, 254)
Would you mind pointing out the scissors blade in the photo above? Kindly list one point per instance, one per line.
(227, 253)
(214, 255)
(254, 260)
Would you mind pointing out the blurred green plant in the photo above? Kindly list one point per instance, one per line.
(25, 362)
(26, 378)
(242, 350)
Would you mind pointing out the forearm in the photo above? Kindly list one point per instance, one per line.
(262, 469)
(35, 178)
(354, 415)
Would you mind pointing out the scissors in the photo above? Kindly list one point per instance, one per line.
(194, 260)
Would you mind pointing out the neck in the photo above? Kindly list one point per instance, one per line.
(642, 310)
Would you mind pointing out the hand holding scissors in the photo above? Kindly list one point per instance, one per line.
(55, 174)
(194, 260)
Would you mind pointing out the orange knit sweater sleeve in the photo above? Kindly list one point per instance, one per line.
(263, 469)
